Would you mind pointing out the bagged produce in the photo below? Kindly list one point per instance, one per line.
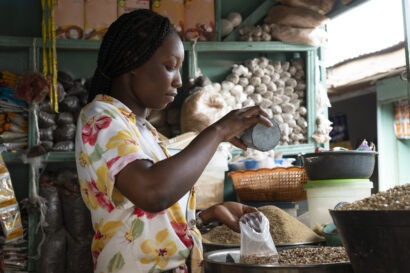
(320, 6)
(70, 104)
(295, 17)
(257, 246)
(309, 36)
(64, 118)
(64, 133)
(69, 19)
(53, 258)
(79, 258)
(201, 109)
(77, 217)
(64, 146)
(46, 119)
(54, 216)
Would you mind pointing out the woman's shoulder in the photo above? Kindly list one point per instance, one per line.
(103, 107)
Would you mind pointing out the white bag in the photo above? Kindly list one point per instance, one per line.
(257, 246)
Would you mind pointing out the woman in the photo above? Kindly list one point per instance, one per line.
(142, 201)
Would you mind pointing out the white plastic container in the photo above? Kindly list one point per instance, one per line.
(323, 195)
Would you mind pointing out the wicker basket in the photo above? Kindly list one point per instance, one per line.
(276, 184)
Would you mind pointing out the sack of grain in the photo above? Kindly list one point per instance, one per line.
(295, 17)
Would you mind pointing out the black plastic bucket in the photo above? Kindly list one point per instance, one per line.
(376, 241)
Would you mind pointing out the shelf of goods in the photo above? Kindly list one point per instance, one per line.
(215, 59)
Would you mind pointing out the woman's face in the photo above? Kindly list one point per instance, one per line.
(154, 84)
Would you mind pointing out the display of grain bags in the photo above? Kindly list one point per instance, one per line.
(199, 20)
(69, 19)
(174, 10)
(320, 6)
(99, 14)
(294, 16)
(125, 6)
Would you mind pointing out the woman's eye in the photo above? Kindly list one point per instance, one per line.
(169, 68)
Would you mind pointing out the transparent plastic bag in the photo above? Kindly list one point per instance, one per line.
(257, 246)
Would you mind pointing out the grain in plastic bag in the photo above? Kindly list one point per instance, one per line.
(257, 246)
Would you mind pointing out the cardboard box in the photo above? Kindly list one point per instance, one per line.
(69, 19)
(99, 14)
(125, 6)
(174, 10)
(199, 20)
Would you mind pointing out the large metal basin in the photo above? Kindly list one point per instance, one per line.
(215, 262)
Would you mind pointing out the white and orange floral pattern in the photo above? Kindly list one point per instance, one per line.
(128, 239)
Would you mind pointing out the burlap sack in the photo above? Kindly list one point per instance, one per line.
(295, 17)
(201, 109)
(319, 6)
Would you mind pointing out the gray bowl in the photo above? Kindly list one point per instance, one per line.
(339, 164)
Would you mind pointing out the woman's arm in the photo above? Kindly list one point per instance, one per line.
(156, 186)
(227, 213)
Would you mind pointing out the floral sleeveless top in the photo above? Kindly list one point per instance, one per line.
(128, 239)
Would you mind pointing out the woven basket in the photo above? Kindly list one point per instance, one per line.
(276, 184)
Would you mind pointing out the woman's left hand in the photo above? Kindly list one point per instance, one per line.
(227, 213)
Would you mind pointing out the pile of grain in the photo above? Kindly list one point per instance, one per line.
(313, 255)
(396, 198)
(284, 228)
(301, 256)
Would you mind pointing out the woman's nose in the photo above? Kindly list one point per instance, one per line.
(177, 82)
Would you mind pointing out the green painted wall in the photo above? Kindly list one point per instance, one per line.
(394, 153)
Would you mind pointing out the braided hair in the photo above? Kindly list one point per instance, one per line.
(128, 43)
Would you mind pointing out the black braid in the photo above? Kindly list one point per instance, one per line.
(129, 42)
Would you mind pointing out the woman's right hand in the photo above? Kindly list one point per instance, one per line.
(233, 124)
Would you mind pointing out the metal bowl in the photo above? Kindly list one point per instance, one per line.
(214, 246)
(339, 164)
(216, 262)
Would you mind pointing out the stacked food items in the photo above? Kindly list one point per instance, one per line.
(277, 86)
(65, 242)
(57, 130)
(13, 246)
(292, 21)
(74, 19)
(13, 114)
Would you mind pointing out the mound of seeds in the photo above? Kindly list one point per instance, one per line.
(301, 256)
(284, 229)
(313, 255)
(222, 235)
(396, 198)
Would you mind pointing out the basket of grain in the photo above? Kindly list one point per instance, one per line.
(270, 184)
(376, 231)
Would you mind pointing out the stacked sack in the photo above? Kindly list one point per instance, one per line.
(66, 241)
(293, 21)
(13, 116)
(57, 130)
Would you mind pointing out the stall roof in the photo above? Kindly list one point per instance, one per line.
(365, 44)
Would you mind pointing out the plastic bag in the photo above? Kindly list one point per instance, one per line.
(257, 246)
